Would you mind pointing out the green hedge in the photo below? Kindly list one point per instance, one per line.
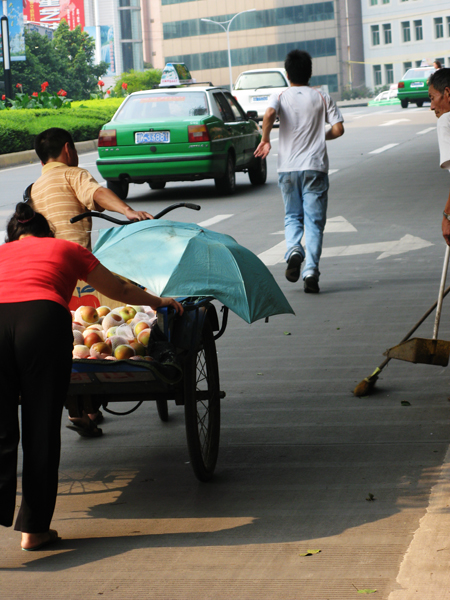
(18, 128)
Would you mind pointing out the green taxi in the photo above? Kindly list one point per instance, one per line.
(179, 134)
(413, 86)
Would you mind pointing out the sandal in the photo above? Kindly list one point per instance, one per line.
(53, 537)
(85, 428)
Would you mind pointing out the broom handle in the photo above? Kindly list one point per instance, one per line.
(416, 326)
(441, 292)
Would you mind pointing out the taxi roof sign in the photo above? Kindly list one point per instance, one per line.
(175, 74)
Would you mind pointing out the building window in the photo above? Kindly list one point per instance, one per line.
(418, 63)
(407, 65)
(375, 29)
(440, 60)
(377, 74)
(418, 31)
(439, 27)
(386, 1)
(373, 2)
(389, 72)
(387, 33)
(448, 26)
(406, 31)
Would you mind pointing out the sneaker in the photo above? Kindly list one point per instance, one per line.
(294, 263)
(311, 285)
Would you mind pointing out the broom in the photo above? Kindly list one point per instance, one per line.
(365, 387)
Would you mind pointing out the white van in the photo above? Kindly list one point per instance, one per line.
(253, 88)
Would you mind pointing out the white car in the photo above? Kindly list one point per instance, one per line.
(253, 88)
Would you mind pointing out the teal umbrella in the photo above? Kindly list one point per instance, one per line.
(183, 259)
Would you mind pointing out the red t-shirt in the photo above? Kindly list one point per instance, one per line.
(42, 269)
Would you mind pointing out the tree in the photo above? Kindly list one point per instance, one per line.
(138, 80)
(65, 62)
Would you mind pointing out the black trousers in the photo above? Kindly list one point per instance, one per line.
(35, 363)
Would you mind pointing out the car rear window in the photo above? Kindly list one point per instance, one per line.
(250, 81)
(418, 73)
(163, 105)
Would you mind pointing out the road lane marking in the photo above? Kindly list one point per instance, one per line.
(383, 149)
(214, 220)
(407, 243)
(331, 171)
(426, 130)
(393, 122)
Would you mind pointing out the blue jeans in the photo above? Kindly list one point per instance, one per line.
(305, 195)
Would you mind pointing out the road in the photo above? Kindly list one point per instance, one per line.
(303, 463)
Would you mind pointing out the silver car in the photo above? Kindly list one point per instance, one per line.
(253, 88)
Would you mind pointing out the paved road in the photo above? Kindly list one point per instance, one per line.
(300, 455)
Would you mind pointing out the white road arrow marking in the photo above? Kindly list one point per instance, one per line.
(333, 225)
(393, 122)
(407, 243)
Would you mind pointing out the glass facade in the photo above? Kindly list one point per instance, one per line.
(130, 34)
(255, 55)
(276, 17)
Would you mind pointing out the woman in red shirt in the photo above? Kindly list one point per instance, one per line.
(37, 276)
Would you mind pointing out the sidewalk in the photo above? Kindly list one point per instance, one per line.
(29, 156)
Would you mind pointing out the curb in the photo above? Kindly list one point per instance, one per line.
(29, 156)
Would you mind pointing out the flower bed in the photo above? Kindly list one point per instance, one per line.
(18, 128)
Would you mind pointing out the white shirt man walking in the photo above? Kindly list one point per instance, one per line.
(302, 168)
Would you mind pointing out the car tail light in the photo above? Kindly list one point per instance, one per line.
(401, 84)
(198, 133)
(107, 137)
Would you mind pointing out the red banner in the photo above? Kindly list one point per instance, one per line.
(51, 12)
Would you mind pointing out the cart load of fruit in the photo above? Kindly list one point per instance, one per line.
(118, 334)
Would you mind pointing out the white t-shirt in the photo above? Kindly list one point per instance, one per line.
(443, 131)
(303, 113)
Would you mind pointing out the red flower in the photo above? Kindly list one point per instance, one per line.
(100, 83)
(61, 93)
(35, 94)
(3, 97)
(18, 85)
(44, 86)
(108, 92)
(124, 86)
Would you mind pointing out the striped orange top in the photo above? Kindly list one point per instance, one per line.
(62, 192)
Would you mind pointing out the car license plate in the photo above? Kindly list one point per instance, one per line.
(417, 84)
(152, 137)
(260, 98)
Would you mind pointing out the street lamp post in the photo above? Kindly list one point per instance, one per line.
(227, 31)
(6, 56)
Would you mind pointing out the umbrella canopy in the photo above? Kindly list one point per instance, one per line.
(182, 259)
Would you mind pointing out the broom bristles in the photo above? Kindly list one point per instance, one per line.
(367, 384)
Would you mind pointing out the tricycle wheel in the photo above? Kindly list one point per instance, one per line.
(163, 410)
(120, 188)
(202, 405)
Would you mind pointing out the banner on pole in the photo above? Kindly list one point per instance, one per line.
(107, 45)
(16, 36)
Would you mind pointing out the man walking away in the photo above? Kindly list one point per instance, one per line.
(302, 169)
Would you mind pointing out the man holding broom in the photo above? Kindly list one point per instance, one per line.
(439, 93)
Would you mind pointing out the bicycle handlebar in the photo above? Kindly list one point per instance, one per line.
(121, 222)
